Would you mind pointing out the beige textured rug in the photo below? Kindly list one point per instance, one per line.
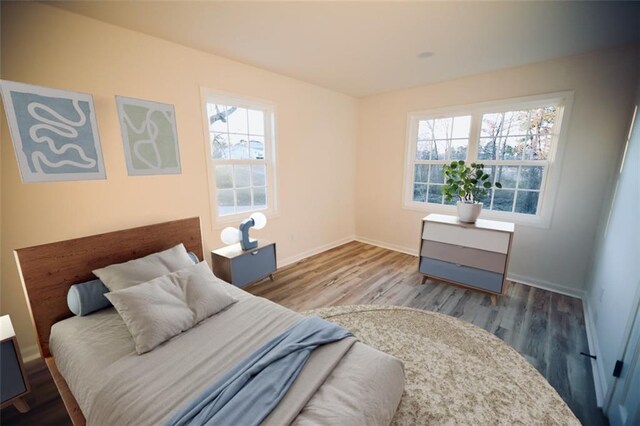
(456, 373)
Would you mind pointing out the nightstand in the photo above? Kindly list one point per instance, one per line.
(13, 380)
(239, 267)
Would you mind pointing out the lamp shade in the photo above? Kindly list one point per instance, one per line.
(230, 235)
(259, 220)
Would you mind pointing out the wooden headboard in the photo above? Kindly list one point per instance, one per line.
(47, 271)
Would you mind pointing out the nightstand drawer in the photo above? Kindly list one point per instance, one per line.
(11, 381)
(478, 278)
(253, 265)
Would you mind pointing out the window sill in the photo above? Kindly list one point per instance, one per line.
(537, 221)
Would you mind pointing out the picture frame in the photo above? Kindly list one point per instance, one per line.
(54, 133)
(149, 136)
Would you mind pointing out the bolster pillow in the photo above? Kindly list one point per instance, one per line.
(88, 297)
(85, 298)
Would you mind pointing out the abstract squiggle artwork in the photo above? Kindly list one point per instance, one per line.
(54, 133)
(149, 136)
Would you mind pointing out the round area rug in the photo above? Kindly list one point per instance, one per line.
(455, 372)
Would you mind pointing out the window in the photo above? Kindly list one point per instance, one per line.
(240, 134)
(516, 140)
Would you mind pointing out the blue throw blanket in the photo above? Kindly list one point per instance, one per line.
(253, 388)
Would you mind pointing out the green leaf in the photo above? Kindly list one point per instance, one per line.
(450, 181)
(443, 190)
(487, 185)
(474, 181)
(498, 185)
(453, 165)
(473, 165)
(461, 162)
(463, 193)
(479, 174)
(485, 176)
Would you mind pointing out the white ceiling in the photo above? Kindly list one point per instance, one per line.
(364, 48)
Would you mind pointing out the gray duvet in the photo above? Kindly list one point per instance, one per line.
(115, 386)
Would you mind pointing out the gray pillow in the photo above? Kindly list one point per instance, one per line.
(122, 275)
(164, 307)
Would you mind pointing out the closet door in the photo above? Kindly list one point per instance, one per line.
(624, 407)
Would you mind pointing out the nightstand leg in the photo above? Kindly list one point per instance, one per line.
(424, 279)
(494, 300)
(21, 405)
(271, 277)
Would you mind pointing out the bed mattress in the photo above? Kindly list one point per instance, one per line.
(113, 385)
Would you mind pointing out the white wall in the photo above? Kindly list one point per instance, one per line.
(556, 257)
(47, 46)
(611, 299)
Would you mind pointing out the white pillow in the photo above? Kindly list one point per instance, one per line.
(123, 275)
(204, 293)
(160, 309)
(153, 312)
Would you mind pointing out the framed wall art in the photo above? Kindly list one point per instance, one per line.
(149, 136)
(54, 133)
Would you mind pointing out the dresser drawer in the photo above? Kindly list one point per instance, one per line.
(466, 236)
(253, 265)
(472, 277)
(481, 259)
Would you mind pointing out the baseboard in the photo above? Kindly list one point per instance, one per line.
(30, 353)
(312, 252)
(546, 285)
(594, 348)
(388, 246)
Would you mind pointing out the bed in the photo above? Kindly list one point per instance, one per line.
(102, 380)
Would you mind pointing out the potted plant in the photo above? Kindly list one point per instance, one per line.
(468, 183)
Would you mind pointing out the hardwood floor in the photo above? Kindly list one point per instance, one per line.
(546, 328)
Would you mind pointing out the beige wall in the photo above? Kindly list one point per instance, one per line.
(316, 142)
(557, 257)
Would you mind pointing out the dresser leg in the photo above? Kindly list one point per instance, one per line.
(21, 405)
(271, 277)
(424, 279)
(494, 300)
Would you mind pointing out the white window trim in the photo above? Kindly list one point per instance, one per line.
(549, 187)
(221, 97)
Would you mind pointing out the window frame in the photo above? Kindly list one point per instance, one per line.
(269, 109)
(549, 185)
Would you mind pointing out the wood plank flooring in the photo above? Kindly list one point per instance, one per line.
(546, 328)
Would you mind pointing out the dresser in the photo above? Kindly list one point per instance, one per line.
(473, 255)
(13, 380)
(239, 267)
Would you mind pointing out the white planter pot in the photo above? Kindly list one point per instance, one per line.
(469, 212)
